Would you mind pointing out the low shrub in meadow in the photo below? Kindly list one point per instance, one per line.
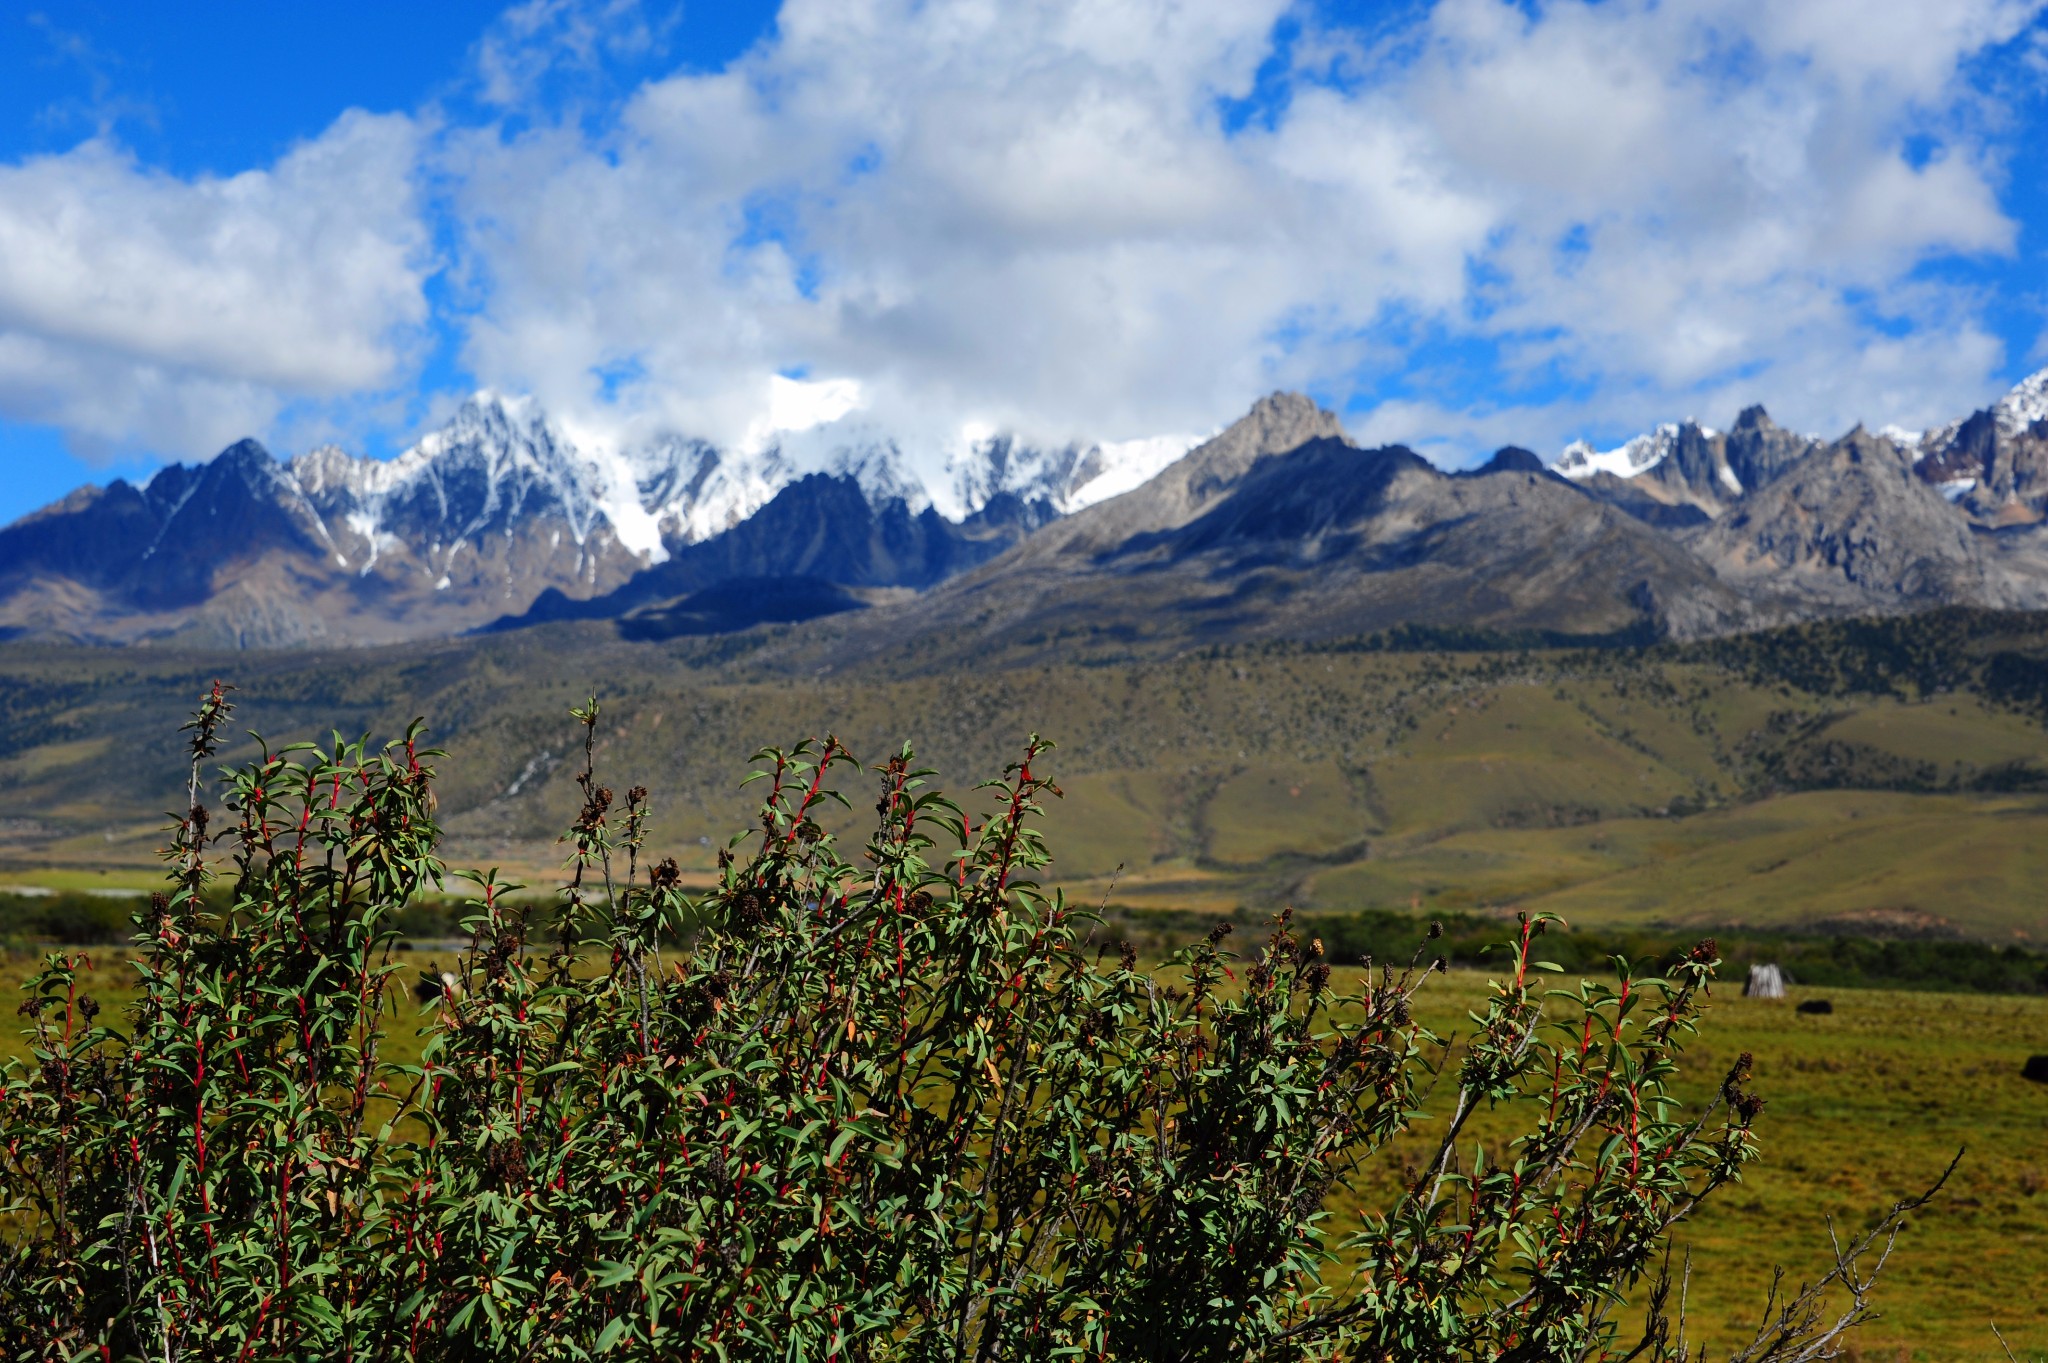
(889, 1105)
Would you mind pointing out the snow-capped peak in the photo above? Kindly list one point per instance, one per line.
(1118, 466)
(987, 465)
(1581, 460)
(499, 458)
(1068, 476)
(2025, 404)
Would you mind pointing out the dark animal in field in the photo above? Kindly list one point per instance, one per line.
(436, 984)
(2035, 1069)
(1817, 1006)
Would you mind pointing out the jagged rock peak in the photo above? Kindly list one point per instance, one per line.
(1285, 420)
(1276, 423)
(1186, 487)
(2024, 404)
(1511, 459)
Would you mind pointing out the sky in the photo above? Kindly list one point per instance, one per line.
(1460, 224)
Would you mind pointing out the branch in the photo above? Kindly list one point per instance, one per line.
(1799, 1331)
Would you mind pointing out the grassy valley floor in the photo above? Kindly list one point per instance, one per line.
(1864, 1105)
(1794, 780)
(1889, 781)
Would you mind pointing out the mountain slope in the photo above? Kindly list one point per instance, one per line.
(499, 509)
(212, 552)
(1849, 527)
(1870, 523)
(817, 529)
(1282, 529)
(821, 529)
(1275, 527)
(1994, 463)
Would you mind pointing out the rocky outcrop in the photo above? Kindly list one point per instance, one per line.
(1687, 474)
(821, 528)
(1849, 528)
(1277, 527)
(498, 513)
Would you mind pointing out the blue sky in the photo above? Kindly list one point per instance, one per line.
(1462, 223)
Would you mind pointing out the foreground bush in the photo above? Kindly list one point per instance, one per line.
(890, 1107)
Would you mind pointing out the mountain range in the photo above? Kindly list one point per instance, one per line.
(492, 511)
(1277, 527)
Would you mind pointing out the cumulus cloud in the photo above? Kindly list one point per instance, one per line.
(1087, 218)
(1695, 198)
(140, 309)
(1039, 217)
(968, 210)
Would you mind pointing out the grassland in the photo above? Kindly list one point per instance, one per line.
(1794, 780)
(1864, 1104)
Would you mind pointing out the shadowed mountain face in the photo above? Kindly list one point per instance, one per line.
(245, 551)
(1316, 540)
(738, 603)
(1509, 459)
(1277, 527)
(499, 508)
(214, 542)
(818, 530)
(1757, 449)
(1849, 527)
(1344, 541)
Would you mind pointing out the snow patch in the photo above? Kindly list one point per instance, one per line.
(545, 761)
(364, 523)
(1955, 489)
(1129, 464)
(800, 405)
(2026, 404)
(1639, 455)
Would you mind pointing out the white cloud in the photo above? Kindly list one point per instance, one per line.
(1689, 192)
(801, 405)
(535, 39)
(966, 209)
(137, 308)
(1033, 216)
(970, 215)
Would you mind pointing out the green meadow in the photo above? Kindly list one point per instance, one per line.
(1885, 780)
(1893, 779)
(1864, 1105)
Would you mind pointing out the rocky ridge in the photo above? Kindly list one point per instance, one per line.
(1276, 527)
(1872, 522)
(496, 509)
